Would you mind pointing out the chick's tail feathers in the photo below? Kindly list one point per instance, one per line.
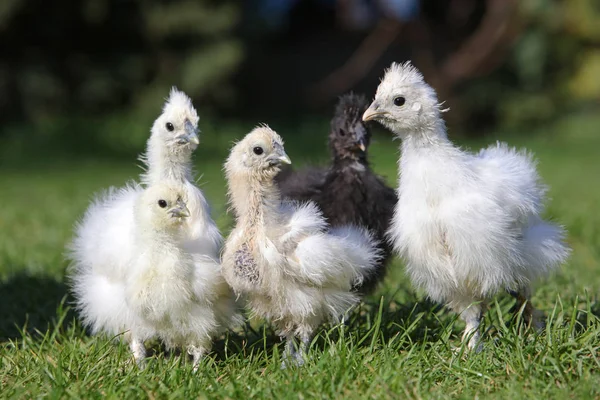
(102, 304)
(544, 247)
(104, 237)
(100, 252)
(343, 257)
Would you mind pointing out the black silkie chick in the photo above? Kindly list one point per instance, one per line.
(348, 191)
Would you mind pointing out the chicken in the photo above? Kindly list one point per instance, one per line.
(102, 250)
(164, 293)
(292, 269)
(467, 225)
(348, 192)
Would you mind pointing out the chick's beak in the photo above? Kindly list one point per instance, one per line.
(191, 134)
(279, 156)
(361, 145)
(360, 137)
(180, 210)
(373, 112)
(282, 157)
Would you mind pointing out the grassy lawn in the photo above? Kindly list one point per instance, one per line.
(397, 345)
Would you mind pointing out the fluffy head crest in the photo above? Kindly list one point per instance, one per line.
(173, 139)
(179, 103)
(351, 106)
(406, 78)
(404, 73)
(263, 132)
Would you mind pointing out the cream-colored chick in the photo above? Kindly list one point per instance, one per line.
(169, 296)
(293, 269)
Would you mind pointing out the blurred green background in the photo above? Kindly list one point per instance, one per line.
(87, 65)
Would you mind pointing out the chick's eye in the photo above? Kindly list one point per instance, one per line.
(342, 133)
(258, 150)
(162, 203)
(399, 101)
(170, 127)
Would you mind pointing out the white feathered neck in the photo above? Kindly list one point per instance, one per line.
(430, 162)
(166, 163)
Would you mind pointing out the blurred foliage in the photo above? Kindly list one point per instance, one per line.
(93, 56)
(108, 61)
(553, 67)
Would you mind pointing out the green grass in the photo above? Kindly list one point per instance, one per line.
(397, 345)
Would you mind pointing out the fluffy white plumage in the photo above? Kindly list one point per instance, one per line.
(281, 255)
(103, 249)
(468, 225)
(165, 293)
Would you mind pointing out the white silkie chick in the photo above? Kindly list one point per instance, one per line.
(467, 225)
(168, 157)
(292, 269)
(102, 250)
(169, 295)
(163, 290)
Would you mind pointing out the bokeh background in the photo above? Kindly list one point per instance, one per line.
(496, 62)
(81, 82)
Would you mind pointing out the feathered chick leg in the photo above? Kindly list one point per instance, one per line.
(306, 338)
(197, 352)
(472, 314)
(531, 316)
(305, 333)
(138, 350)
(292, 355)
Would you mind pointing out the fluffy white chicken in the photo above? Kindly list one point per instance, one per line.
(102, 250)
(165, 293)
(292, 269)
(467, 225)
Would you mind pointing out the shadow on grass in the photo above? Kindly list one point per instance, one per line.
(419, 320)
(586, 317)
(249, 341)
(384, 319)
(29, 304)
(375, 324)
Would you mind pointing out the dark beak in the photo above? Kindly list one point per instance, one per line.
(361, 137)
(361, 145)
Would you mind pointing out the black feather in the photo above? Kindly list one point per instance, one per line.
(348, 191)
